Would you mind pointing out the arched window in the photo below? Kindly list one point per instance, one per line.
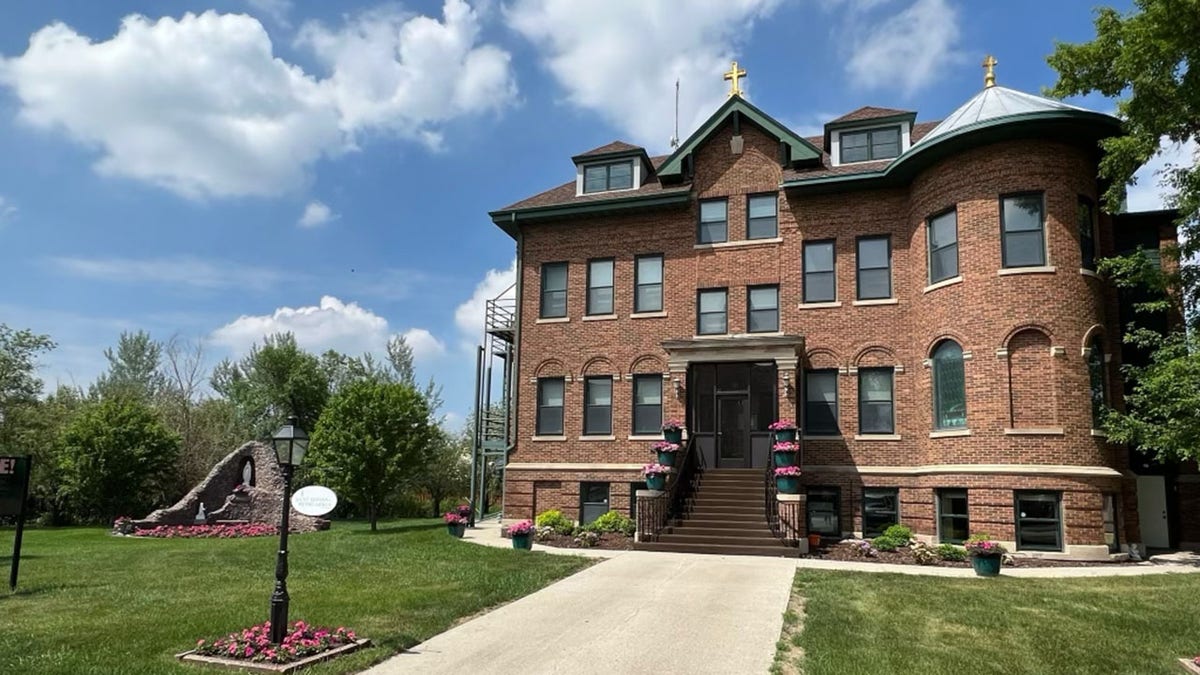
(1098, 380)
(949, 387)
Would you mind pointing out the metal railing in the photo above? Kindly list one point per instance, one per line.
(782, 517)
(656, 513)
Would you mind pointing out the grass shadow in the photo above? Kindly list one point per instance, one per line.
(403, 527)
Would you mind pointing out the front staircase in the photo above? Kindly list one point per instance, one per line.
(727, 517)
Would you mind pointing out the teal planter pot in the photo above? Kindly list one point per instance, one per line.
(986, 565)
(785, 435)
(456, 530)
(666, 458)
(788, 485)
(786, 458)
(523, 541)
(656, 482)
(674, 436)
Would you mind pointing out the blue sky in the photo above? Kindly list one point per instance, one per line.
(327, 168)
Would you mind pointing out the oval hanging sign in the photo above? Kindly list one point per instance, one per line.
(314, 500)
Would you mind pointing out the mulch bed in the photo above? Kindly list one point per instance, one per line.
(609, 541)
(903, 556)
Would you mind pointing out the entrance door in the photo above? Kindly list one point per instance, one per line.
(1152, 511)
(733, 431)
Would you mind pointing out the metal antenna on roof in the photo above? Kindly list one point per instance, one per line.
(675, 136)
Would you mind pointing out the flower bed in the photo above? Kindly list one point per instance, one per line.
(254, 643)
(608, 541)
(861, 551)
(223, 531)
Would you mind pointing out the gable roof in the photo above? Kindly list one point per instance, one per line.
(870, 112)
(610, 149)
(800, 149)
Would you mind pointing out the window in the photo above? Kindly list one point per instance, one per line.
(647, 404)
(1085, 218)
(1039, 521)
(876, 413)
(874, 268)
(1096, 366)
(600, 286)
(954, 526)
(1109, 509)
(949, 387)
(824, 507)
(819, 282)
(714, 227)
(711, 315)
(942, 234)
(862, 146)
(1024, 243)
(648, 283)
(597, 406)
(762, 221)
(762, 309)
(550, 406)
(554, 290)
(820, 403)
(593, 502)
(604, 177)
(880, 509)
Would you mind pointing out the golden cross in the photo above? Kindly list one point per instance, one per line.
(732, 76)
(989, 72)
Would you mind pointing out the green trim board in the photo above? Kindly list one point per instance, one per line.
(507, 219)
(1077, 125)
(801, 150)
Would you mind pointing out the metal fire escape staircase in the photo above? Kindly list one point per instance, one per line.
(495, 386)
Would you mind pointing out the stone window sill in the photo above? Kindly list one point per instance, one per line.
(1046, 431)
(950, 433)
(648, 315)
(597, 438)
(1099, 434)
(943, 283)
(820, 305)
(645, 437)
(877, 437)
(745, 243)
(546, 439)
(1090, 273)
(600, 317)
(879, 301)
(836, 437)
(1045, 269)
(557, 319)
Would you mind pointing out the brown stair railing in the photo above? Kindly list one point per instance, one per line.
(782, 517)
(655, 514)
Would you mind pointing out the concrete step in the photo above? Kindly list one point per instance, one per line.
(722, 522)
(739, 508)
(758, 539)
(728, 533)
(737, 492)
(777, 550)
(749, 515)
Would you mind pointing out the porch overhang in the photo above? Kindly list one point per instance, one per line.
(784, 350)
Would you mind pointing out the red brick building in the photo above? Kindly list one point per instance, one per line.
(919, 296)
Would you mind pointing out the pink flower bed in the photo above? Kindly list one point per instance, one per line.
(209, 531)
(254, 643)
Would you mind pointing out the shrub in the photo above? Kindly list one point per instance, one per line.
(863, 548)
(614, 521)
(899, 532)
(556, 520)
(587, 539)
(545, 533)
(924, 554)
(951, 552)
(886, 543)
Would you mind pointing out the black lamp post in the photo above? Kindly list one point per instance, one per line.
(291, 442)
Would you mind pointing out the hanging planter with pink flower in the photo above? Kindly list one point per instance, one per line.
(787, 453)
(666, 452)
(785, 430)
(656, 476)
(787, 479)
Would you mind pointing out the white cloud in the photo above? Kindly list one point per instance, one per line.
(316, 214)
(469, 315)
(8, 210)
(181, 271)
(201, 106)
(424, 345)
(621, 58)
(276, 10)
(1149, 194)
(903, 52)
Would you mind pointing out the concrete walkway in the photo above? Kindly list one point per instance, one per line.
(636, 612)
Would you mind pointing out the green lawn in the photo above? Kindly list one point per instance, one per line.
(88, 602)
(890, 623)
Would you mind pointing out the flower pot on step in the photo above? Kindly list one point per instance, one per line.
(786, 458)
(456, 529)
(523, 541)
(788, 485)
(986, 565)
(666, 458)
(785, 435)
(656, 482)
(673, 435)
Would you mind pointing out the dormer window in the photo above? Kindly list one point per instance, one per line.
(608, 176)
(870, 144)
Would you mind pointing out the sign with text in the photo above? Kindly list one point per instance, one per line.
(314, 500)
(14, 472)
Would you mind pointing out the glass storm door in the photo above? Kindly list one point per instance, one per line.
(733, 431)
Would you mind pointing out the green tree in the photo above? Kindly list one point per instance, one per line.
(273, 381)
(117, 459)
(37, 430)
(447, 474)
(19, 384)
(1148, 59)
(133, 368)
(371, 443)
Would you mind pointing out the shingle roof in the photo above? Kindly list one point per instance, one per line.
(919, 130)
(565, 193)
(870, 112)
(610, 148)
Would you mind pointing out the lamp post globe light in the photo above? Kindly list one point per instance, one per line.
(291, 442)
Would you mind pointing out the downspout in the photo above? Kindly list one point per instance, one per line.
(514, 383)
